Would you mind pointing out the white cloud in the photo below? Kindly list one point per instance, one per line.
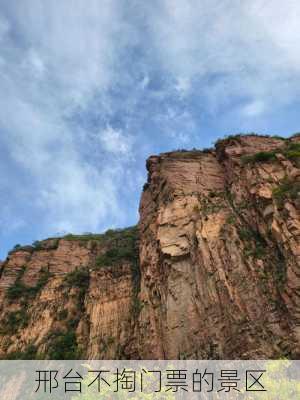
(9, 222)
(145, 82)
(34, 65)
(183, 86)
(4, 27)
(232, 49)
(67, 55)
(253, 109)
(177, 124)
(115, 141)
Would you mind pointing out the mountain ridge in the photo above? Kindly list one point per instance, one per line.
(210, 272)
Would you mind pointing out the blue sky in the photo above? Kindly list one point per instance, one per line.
(90, 90)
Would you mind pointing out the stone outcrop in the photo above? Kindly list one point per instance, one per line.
(213, 273)
(73, 297)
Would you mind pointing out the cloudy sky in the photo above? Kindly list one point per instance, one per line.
(89, 89)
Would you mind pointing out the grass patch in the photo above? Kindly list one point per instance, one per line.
(231, 219)
(258, 252)
(293, 146)
(113, 236)
(255, 245)
(293, 155)
(291, 151)
(238, 136)
(52, 243)
(287, 189)
(84, 237)
(212, 204)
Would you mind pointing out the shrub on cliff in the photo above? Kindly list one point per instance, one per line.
(287, 189)
(116, 255)
(262, 156)
(123, 247)
(13, 321)
(63, 346)
(78, 278)
(19, 290)
(15, 291)
(292, 152)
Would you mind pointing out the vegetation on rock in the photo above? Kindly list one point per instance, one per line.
(20, 291)
(63, 346)
(14, 321)
(286, 189)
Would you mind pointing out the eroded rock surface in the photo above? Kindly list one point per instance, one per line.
(219, 251)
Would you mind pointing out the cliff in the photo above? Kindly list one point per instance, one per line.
(211, 272)
(68, 298)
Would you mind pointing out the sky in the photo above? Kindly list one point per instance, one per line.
(90, 89)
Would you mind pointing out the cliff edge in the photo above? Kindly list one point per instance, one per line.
(211, 271)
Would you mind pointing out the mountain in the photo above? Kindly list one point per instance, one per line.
(211, 271)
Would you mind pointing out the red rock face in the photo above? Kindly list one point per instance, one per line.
(219, 252)
(217, 276)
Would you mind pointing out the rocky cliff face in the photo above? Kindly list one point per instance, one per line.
(217, 274)
(74, 297)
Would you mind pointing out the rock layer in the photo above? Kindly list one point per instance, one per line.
(217, 274)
